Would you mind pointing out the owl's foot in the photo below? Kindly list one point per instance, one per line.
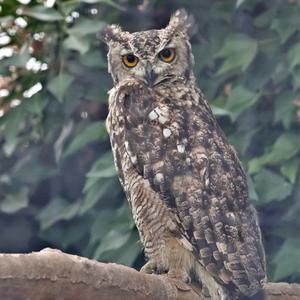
(179, 275)
(152, 267)
(149, 268)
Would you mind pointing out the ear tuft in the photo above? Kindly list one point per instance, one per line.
(111, 33)
(181, 21)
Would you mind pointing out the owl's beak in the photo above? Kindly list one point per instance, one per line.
(150, 77)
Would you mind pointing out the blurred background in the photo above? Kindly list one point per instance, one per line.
(58, 186)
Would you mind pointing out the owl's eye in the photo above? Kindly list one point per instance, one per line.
(130, 60)
(167, 55)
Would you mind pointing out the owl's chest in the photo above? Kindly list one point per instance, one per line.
(144, 106)
(142, 116)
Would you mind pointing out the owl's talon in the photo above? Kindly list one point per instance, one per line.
(180, 275)
(149, 268)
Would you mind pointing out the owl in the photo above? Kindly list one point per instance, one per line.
(184, 182)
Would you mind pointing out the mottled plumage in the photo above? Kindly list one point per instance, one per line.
(184, 182)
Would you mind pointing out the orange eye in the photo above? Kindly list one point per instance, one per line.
(130, 60)
(167, 55)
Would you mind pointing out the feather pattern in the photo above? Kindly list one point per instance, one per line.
(194, 173)
(183, 180)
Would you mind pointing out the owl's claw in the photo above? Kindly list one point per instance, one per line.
(179, 275)
(149, 268)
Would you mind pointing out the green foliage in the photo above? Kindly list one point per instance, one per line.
(42, 13)
(15, 201)
(58, 185)
(238, 52)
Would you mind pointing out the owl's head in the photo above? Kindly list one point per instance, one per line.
(153, 56)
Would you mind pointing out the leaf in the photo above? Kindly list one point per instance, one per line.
(89, 134)
(104, 189)
(68, 6)
(265, 18)
(222, 10)
(290, 170)
(271, 187)
(19, 60)
(93, 58)
(14, 118)
(15, 201)
(32, 170)
(126, 250)
(294, 56)
(108, 2)
(85, 26)
(219, 111)
(101, 224)
(102, 168)
(112, 241)
(59, 84)
(203, 56)
(285, 147)
(242, 140)
(285, 110)
(36, 104)
(287, 259)
(126, 254)
(259, 72)
(286, 22)
(239, 100)
(252, 192)
(238, 51)
(256, 164)
(239, 3)
(119, 219)
(10, 147)
(6, 19)
(43, 13)
(80, 44)
(82, 34)
(296, 79)
(64, 134)
(57, 209)
(109, 171)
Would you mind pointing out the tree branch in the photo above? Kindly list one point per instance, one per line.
(52, 274)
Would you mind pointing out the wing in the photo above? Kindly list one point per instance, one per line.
(178, 146)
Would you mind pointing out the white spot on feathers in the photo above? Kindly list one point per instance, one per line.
(153, 115)
(133, 159)
(181, 148)
(126, 145)
(221, 247)
(159, 177)
(167, 132)
(160, 113)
